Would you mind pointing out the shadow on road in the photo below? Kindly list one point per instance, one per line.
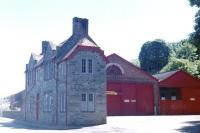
(15, 124)
(192, 127)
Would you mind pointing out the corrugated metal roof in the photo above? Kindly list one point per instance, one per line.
(165, 75)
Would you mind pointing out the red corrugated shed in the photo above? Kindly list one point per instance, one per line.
(179, 93)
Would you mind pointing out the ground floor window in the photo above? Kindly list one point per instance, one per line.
(48, 102)
(170, 93)
(62, 102)
(32, 103)
(88, 102)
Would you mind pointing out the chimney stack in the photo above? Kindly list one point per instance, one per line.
(80, 26)
(44, 46)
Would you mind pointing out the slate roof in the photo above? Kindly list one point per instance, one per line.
(66, 46)
(83, 42)
(165, 75)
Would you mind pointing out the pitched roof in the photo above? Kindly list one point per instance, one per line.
(82, 42)
(165, 75)
(69, 44)
(133, 65)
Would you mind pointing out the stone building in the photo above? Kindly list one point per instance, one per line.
(66, 84)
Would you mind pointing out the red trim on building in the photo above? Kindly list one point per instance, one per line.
(87, 48)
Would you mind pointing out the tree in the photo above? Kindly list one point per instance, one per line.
(195, 36)
(181, 64)
(154, 56)
(136, 62)
(183, 56)
(183, 50)
(195, 3)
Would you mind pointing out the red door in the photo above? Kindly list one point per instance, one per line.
(114, 99)
(145, 104)
(37, 106)
(128, 99)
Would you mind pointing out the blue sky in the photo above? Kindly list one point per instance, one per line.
(119, 26)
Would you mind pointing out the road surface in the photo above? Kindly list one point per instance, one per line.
(119, 124)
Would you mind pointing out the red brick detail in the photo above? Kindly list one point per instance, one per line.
(88, 48)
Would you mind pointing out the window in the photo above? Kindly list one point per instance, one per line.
(49, 71)
(41, 74)
(26, 78)
(37, 74)
(113, 70)
(30, 77)
(31, 103)
(48, 102)
(91, 97)
(61, 70)
(170, 94)
(87, 102)
(62, 102)
(86, 67)
(89, 66)
(83, 66)
(91, 102)
(33, 76)
(83, 97)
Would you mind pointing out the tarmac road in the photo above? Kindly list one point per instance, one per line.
(116, 124)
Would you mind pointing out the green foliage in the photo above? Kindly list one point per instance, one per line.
(154, 56)
(181, 64)
(198, 69)
(195, 3)
(183, 56)
(183, 50)
(136, 62)
(195, 36)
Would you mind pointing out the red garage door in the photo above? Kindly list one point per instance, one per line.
(129, 93)
(130, 99)
(145, 105)
(114, 99)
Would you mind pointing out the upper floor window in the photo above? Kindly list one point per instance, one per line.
(37, 74)
(83, 65)
(86, 66)
(61, 70)
(49, 71)
(31, 77)
(89, 66)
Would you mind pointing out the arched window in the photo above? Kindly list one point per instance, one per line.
(113, 70)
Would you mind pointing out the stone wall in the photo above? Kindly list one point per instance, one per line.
(13, 114)
(78, 83)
